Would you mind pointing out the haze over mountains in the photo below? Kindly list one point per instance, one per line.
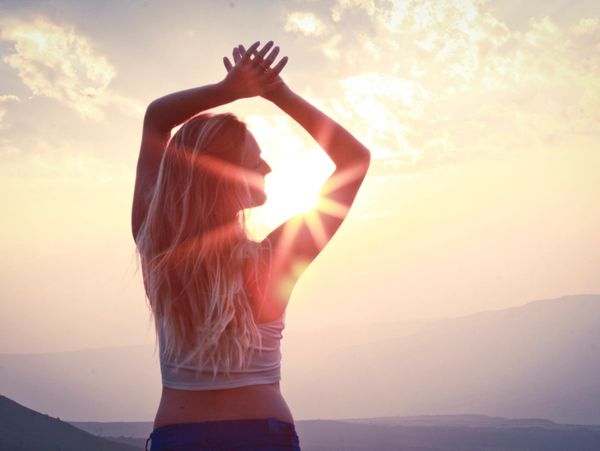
(539, 360)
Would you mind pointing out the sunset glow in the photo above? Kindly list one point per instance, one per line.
(482, 119)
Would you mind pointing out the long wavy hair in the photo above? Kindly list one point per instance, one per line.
(195, 251)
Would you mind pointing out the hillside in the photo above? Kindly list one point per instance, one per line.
(23, 429)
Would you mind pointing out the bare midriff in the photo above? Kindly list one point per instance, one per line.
(249, 402)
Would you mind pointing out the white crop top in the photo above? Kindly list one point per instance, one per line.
(264, 367)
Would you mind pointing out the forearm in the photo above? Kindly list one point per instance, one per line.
(173, 109)
(338, 143)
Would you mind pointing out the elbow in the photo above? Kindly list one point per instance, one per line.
(154, 117)
(364, 157)
(150, 114)
(153, 111)
(362, 153)
(367, 155)
(150, 109)
(360, 163)
(356, 156)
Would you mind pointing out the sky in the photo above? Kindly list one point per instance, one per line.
(483, 120)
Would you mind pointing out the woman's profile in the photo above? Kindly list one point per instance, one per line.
(217, 297)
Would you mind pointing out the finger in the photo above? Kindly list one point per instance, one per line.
(280, 65)
(250, 51)
(236, 55)
(259, 63)
(269, 60)
(227, 63)
(265, 49)
(243, 51)
(256, 61)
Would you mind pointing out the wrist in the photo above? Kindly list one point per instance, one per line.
(226, 91)
(280, 95)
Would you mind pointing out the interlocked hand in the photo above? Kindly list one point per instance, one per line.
(251, 74)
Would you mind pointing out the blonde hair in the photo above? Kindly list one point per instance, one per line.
(194, 248)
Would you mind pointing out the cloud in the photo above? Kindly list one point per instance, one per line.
(330, 48)
(7, 149)
(367, 6)
(588, 25)
(369, 46)
(62, 161)
(426, 83)
(8, 97)
(306, 23)
(55, 61)
(3, 124)
(371, 95)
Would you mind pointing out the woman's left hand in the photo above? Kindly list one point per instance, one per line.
(251, 74)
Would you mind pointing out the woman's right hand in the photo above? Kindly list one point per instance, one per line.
(251, 74)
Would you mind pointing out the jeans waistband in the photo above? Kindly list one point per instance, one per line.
(270, 424)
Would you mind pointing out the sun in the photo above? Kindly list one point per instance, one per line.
(292, 195)
(300, 169)
(292, 188)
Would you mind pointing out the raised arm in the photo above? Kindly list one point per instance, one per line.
(351, 159)
(162, 115)
(298, 241)
(246, 79)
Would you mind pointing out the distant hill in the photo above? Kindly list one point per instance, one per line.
(423, 433)
(539, 360)
(23, 429)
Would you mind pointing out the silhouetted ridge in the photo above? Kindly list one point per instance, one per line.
(24, 429)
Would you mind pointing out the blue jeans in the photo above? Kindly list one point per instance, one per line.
(267, 434)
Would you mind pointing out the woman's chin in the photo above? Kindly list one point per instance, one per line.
(258, 200)
(262, 199)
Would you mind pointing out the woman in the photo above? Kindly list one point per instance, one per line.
(217, 297)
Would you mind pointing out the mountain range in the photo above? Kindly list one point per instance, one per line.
(538, 360)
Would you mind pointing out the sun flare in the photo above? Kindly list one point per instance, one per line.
(292, 197)
(292, 188)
